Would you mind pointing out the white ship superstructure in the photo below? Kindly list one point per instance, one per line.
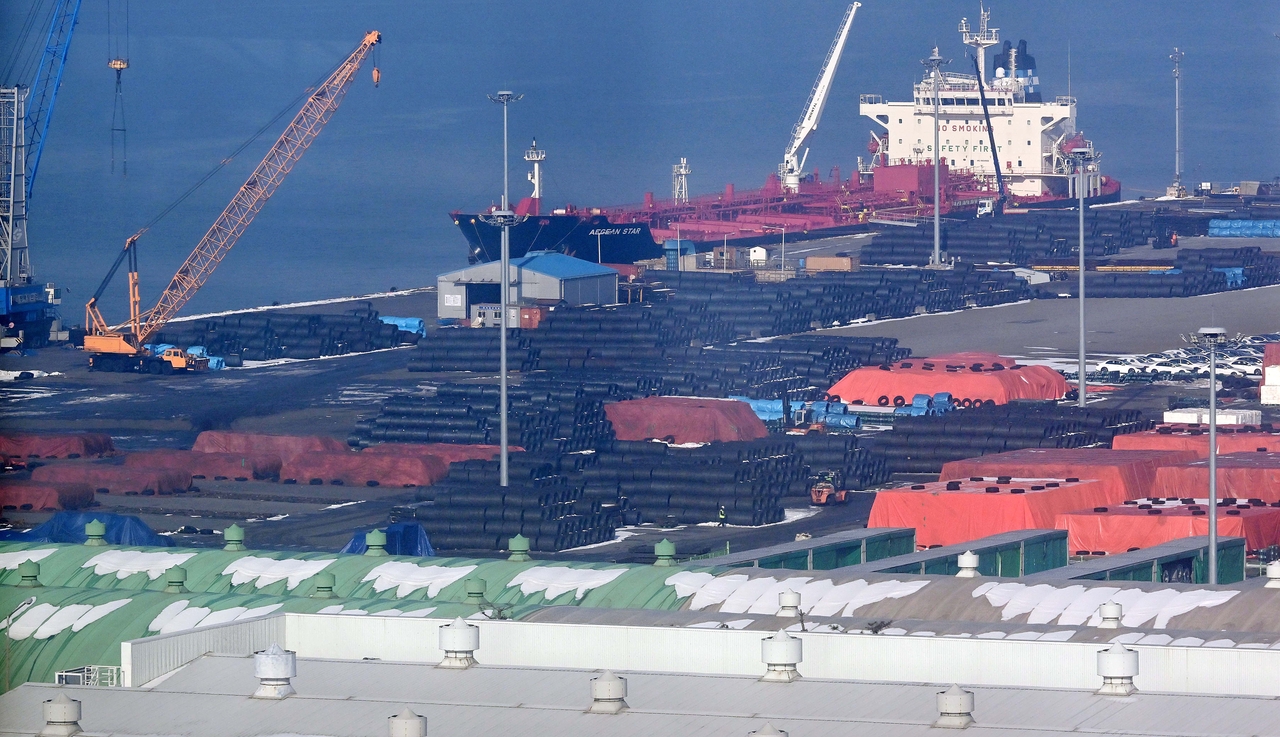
(1032, 137)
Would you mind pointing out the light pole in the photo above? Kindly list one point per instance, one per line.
(779, 229)
(504, 218)
(1212, 337)
(1081, 158)
(1176, 58)
(933, 63)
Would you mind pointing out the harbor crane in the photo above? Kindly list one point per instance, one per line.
(122, 347)
(792, 166)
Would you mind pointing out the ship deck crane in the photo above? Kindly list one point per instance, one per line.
(120, 348)
(789, 171)
(997, 207)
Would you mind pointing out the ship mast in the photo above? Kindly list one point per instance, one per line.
(985, 37)
(535, 156)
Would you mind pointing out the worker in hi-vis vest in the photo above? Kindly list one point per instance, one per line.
(721, 515)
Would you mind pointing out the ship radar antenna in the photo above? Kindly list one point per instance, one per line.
(985, 36)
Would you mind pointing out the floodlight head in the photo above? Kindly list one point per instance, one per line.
(505, 96)
(1215, 334)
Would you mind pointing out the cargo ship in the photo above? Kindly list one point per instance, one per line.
(1035, 140)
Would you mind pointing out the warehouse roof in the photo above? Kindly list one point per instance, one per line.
(560, 265)
(339, 698)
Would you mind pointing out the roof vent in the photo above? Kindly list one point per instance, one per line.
(175, 580)
(665, 553)
(955, 708)
(325, 581)
(781, 654)
(1111, 612)
(95, 534)
(968, 562)
(768, 730)
(1117, 665)
(233, 537)
(608, 694)
(1273, 575)
(274, 667)
(61, 717)
(518, 546)
(407, 724)
(28, 574)
(459, 641)
(376, 540)
(475, 588)
(788, 604)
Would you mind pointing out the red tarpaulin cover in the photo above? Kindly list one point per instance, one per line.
(281, 445)
(1126, 474)
(1271, 354)
(1240, 475)
(358, 469)
(86, 444)
(684, 420)
(1124, 527)
(948, 517)
(208, 465)
(20, 494)
(1182, 437)
(952, 373)
(447, 452)
(116, 479)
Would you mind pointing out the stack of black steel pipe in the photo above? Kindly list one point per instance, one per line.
(260, 336)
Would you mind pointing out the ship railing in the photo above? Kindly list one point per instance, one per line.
(871, 99)
(1064, 100)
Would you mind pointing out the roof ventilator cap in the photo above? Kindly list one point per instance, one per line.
(1117, 665)
(665, 553)
(968, 562)
(1273, 575)
(518, 546)
(28, 574)
(274, 667)
(459, 641)
(175, 580)
(325, 581)
(376, 540)
(608, 694)
(781, 654)
(475, 588)
(233, 537)
(788, 604)
(407, 724)
(61, 717)
(95, 534)
(768, 730)
(955, 708)
(1111, 612)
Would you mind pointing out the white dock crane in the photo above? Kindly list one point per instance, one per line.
(789, 171)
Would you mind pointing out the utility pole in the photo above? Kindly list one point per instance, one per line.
(504, 218)
(933, 64)
(1081, 158)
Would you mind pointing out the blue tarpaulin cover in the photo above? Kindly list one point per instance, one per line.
(68, 527)
(407, 324)
(403, 538)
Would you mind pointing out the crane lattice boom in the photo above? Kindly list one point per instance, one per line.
(255, 192)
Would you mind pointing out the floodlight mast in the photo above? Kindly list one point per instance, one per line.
(1212, 337)
(504, 218)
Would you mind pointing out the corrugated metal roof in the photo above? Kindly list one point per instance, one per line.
(560, 266)
(210, 697)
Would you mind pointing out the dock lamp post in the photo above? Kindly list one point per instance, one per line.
(504, 218)
(1081, 157)
(1212, 338)
(783, 230)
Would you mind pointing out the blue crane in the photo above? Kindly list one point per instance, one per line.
(44, 90)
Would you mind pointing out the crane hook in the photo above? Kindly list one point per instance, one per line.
(377, 76)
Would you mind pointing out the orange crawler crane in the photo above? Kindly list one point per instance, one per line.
(120, 348)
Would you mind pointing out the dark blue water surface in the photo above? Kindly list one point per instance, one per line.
(615, 92)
